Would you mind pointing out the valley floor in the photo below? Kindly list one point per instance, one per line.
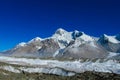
(12, 68)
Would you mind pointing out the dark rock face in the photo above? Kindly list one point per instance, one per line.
(112, 47)
(76, 34)
(103, 40)
(49, 47)
(118, 36)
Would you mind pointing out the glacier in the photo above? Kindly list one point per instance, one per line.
(64, 68)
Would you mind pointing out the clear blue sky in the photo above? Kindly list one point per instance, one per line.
(22, 20)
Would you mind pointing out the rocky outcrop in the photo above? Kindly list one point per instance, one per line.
(48, 48)
(108, 45)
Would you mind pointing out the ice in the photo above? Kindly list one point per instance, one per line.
(110, 66)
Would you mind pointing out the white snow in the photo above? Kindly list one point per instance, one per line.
(86, 37)
(22, 44)
(77, 43)
(75, 66)
(56, 71)
(35, 39)
(56, 53)
(93, 44)
(112, 39)
(38, 47)
(62, 37)
(76, 31)
(111, 54)
(10, 68)
(65, 36)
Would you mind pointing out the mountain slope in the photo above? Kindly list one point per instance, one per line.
(110, 43)
(64, 44)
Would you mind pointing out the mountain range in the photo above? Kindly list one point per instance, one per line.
(64, 44)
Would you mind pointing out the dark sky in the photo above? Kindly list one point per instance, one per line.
(22, 20)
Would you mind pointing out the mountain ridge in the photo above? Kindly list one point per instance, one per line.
(75, 44)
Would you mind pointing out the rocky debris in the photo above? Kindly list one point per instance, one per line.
(41, 76)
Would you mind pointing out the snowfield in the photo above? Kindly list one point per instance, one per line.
(112, 39)
(64, 68)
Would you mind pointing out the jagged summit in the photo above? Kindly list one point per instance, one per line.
(22, 44)
(60, 31)
(63, 37)
(67, 44)
(35, 39)
(107, 38)
(110, 43)
(76, 34)
(103, 39)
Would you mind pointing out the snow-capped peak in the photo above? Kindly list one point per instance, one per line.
(60, 31)
(62, 37)
(35, 39)
(22, 44)
(76, 34)
(82, 36)
(112, 39)
(76, 31)
(86, 37)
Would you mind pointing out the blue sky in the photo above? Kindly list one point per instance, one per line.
(22, 20)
